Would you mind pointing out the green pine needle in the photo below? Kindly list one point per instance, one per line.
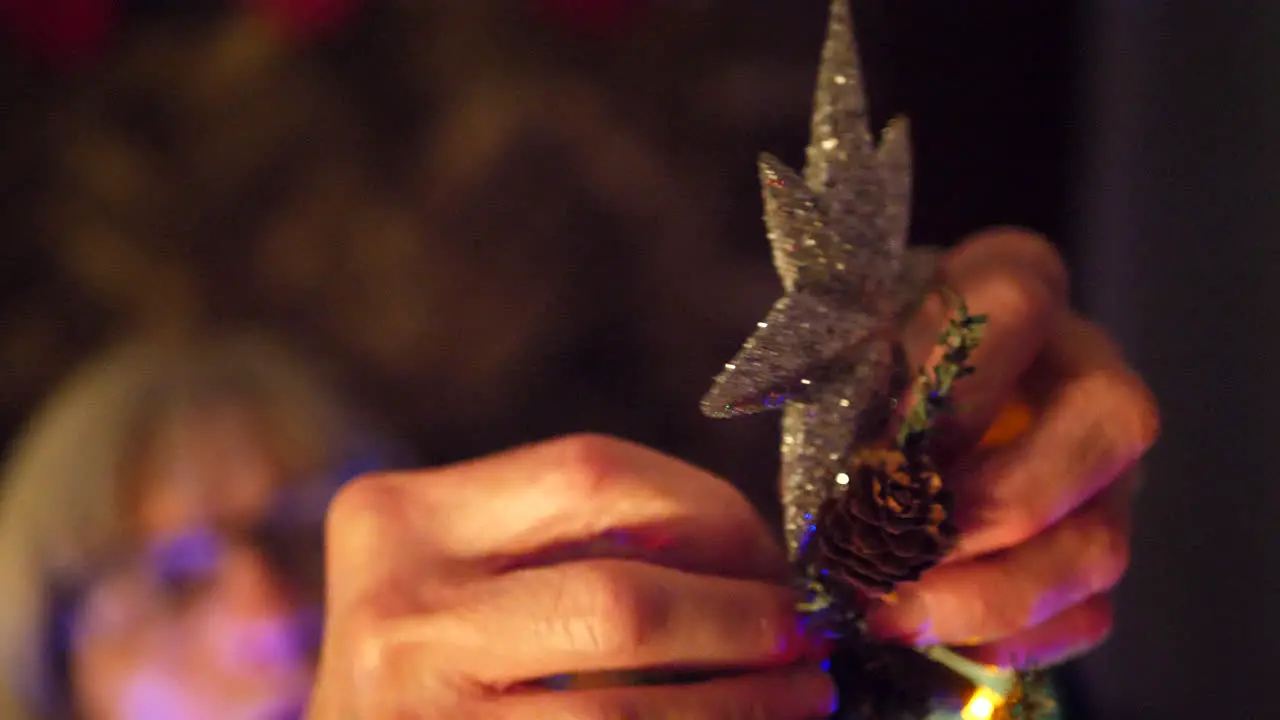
(933, 387)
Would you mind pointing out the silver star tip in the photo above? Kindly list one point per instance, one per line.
(734, 395)
(898, 125)
(713, 408)
(796, 231)
(776, 175)
(840, 62)
(770, 165)
(718, 405)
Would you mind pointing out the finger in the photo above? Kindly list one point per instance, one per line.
(592, 616)
(799, 693)
(508, 509)
(1097, 424)
(1062, 637)
(995, 596)
(1018, 281)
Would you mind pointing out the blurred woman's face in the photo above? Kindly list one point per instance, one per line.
(207, 623)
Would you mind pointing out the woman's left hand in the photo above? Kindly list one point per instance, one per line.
(1047, 435)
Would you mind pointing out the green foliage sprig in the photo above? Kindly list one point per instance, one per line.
(932, 390)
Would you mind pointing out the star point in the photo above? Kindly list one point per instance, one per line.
(838, 231)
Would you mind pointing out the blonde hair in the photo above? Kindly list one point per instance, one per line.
(61, 505)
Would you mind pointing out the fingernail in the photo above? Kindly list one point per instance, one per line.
(904, 618)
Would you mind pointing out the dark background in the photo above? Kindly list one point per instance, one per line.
(494, 222)
(153, 200)
(1177, 221)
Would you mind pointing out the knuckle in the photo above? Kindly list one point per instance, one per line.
(991, 619)
(619, 614)
(972, 614)
(358, 509)
(1002, 615)
(1019, 298)
(1127, 407)
(359, 494)
(1024, 521)
(777, 622)
(584, 462)
(392, 659)
(1029, 250)
(1047, 259)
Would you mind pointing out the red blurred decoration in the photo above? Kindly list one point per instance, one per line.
(68, 34)
(63, 33)
(304, 20)
(591, 17)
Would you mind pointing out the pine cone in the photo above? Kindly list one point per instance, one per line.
(892, 524)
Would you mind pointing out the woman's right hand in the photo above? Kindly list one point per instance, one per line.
(453, 592)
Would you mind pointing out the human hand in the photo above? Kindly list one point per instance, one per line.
(452, 591)
(1044, 514)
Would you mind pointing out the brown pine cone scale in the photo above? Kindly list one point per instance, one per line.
(888, 527)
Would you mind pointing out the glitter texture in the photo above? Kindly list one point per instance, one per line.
(826, 353)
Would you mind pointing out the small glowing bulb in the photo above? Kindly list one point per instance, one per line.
(842, 478)
(979, 708)
(983, 704)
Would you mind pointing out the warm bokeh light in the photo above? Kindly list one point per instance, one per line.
(1012, 422)
(983, 704)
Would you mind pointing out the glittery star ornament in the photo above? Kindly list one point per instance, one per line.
(826, 352)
